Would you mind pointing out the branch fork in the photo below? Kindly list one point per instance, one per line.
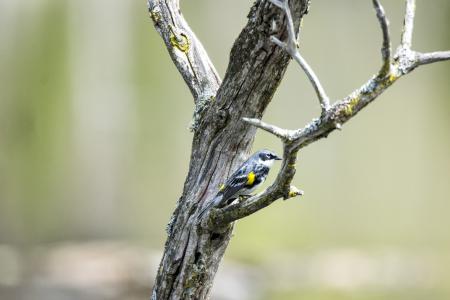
(332, 116)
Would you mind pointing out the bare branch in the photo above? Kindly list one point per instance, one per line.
(332, 119)
(186, 51)
(291, 47)
(292, 37)
(386, 49)
(408, 24)
(431, 57)
(277, 131)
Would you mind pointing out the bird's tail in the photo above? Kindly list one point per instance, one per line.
(215, 202)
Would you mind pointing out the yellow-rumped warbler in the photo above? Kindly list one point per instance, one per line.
(245, 180)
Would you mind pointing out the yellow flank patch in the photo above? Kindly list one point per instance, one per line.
(222, 187)
(250, 178)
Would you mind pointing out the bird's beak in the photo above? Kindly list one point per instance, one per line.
(277, 158)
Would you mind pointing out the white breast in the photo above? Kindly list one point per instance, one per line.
(268, 163)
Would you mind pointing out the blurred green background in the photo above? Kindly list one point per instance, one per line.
(94, 148)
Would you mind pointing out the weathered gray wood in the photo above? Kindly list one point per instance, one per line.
(185, 49)
(221, 142)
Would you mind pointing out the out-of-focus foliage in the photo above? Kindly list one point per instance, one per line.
(94, 144)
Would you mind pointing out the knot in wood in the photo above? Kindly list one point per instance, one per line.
(222, 117)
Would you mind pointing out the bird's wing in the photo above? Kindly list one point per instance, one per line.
(241, 178)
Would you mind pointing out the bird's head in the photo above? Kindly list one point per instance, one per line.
(267, 157)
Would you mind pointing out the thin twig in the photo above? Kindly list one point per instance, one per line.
(431, 57)
(291, 47)
(292, 37)
(277, 131)
(386, 48)
(323, 98)
(408, 24)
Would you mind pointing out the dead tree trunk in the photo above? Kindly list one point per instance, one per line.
(221, 140)
(225, 120)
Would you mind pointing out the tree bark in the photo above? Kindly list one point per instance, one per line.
(221, 141)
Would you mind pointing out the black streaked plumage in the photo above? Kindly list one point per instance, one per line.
(240, 183)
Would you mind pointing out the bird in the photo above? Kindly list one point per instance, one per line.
(249, 176)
